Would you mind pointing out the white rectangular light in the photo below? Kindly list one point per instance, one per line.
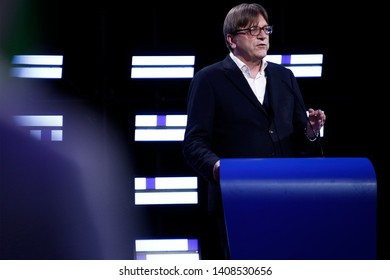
(162, 72)
(158, 190)
(167, 249)
(289, 59)
(38, 59)
(37, 72)
(165, 245)
(146, 120)
(56, 135)
(37, 66)
(160, 120)
(39, 120)
(166, 183)
(306, 59)
(159, 134)
(161, 67)
(160, 198)
(160, 127)
(176, 120)
(163, 60)
(275, 58)
(168, 256)
(302, 65)
(306, 71)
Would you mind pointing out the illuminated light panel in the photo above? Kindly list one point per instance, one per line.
(37, 66)
(302, 65)
(160, 198)
(56, 135)
(159, 134)
(38, 120)
(306, 71)
(37, 73)
(168, 256)
(162, 72)
(165, 190)
(165, 183)
(42, 127)
(160, 120)
(171, 249)
(163, 60)
(160, 127)
(296, 58)
(144, 67)
(166, 245)
(38, 59)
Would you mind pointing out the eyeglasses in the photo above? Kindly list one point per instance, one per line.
(255, 30)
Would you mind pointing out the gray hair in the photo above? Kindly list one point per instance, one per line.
(241, 16)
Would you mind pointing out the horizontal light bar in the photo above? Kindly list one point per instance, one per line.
(304, 59)
(160, 198)
(162, 72)
(163, 60)
(306, 71)
(302, 65)
(158, 190)
(160, 127)
(162, 67)
(37, 66)
(160, 120)
(159, 134)
(166, 245)
(39, 120)
(37, 72)
(168, 256)
(296, 59)
(38, 59)
(166, 183)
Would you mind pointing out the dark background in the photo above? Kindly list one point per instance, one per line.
(98, 39)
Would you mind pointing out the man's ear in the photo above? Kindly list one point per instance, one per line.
(229, 39)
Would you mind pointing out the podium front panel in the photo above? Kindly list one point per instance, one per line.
(300, 208)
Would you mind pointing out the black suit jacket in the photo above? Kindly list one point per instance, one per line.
(225, 119)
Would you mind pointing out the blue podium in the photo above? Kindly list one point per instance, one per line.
(300, 208)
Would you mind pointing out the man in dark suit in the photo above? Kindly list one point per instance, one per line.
(245, 107)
